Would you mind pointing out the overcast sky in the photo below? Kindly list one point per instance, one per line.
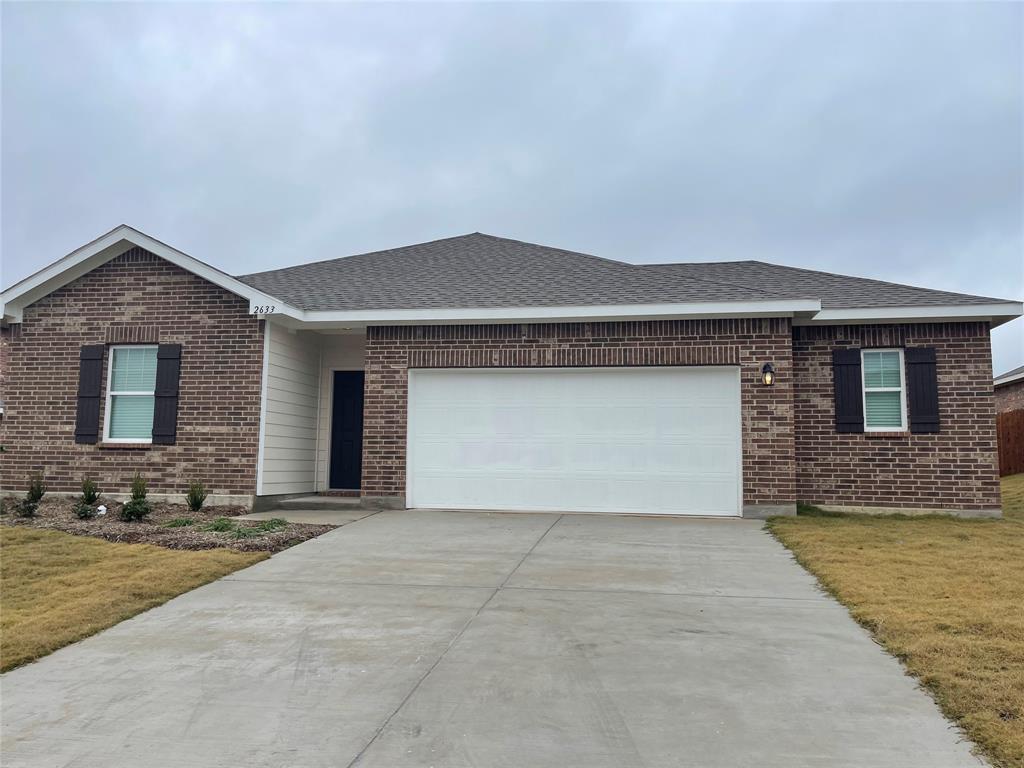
(879, 139)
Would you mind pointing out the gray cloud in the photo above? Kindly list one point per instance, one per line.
(877, 139)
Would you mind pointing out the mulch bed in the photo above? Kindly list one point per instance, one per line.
(56, 514)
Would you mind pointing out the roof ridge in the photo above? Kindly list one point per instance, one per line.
(365, 253)
(555, 248)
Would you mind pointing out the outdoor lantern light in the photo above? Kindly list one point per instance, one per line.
(767, 374)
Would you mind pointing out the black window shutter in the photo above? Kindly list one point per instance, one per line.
(849, 399)
(165, 407)
(922, 390)
(90, 385)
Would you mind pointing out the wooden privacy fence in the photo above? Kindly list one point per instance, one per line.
(1010, 435)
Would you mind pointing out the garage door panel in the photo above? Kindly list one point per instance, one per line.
(654, 440)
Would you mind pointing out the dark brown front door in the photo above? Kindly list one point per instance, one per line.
(347, 430)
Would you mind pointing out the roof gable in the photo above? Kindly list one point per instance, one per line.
(98, 252)
(479, 278)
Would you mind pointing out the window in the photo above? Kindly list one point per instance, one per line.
(885, 402)
(131, 381)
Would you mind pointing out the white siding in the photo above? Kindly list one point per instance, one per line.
(291, 413)
(339, 353)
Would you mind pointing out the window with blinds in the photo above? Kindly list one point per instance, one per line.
(131, 382)
(885, 404)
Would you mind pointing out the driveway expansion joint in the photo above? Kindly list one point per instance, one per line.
(451, 644)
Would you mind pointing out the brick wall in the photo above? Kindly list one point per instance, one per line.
(768, 470)
(955, 469)
(136, 297)
(1010, 397)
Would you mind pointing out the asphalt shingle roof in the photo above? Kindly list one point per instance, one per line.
(479, 270)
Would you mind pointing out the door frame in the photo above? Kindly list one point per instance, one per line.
(330, 423)
(409, 422)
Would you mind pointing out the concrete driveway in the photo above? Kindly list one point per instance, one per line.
(473, 639)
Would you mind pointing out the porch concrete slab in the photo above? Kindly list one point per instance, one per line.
(454, 639)
(312, 516)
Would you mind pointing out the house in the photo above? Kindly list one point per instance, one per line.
(486, 373)
(1009, 389)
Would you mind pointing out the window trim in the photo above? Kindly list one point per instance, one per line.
(902, 390)
(106, 404)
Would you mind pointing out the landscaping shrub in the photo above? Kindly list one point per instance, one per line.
(138, 487)
(36, 487)
(221, 525)
(26, 508)
(90, 493)
(273, 524)
(196, 496)
(84, 511)
(179, 522)
(137, 508)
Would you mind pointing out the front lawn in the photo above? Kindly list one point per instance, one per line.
(58, 588)
(944, 595)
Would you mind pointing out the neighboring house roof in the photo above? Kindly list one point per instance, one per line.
(1017, 374)
(483, 278)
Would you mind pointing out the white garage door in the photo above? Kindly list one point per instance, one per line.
(645, 440)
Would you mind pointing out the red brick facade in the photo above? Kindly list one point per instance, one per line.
(1010, 397)
(767, 412)
(954, 469)
(136, 297)
(791, 449)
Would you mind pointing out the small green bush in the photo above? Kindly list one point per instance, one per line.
(221, 525)
(135, 509)
(179, 522)
(243, 532)
(36, 487)
(138, 487)
(196, 496)
(84, 511)
(90, 493)
(273, 524)
(26, 508)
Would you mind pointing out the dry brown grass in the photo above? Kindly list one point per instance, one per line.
(57, 588)
(946, 596)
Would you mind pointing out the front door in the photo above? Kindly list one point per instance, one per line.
(347, 430)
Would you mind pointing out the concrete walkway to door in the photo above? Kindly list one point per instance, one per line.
(451, 639)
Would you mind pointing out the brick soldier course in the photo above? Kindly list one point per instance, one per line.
(767, 413)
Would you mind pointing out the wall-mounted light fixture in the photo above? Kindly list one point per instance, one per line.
(767, 374)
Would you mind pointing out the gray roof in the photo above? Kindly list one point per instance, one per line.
(1015, 373)
(479, 270)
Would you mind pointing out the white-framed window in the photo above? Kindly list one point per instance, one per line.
(885, 390)
(131, 382)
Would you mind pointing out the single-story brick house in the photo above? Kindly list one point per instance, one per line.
(1009, 390)
(486, 373)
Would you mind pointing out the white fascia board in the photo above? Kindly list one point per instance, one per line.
(103, 249)
(997, 314)
(604, 313)
(1008, 379)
